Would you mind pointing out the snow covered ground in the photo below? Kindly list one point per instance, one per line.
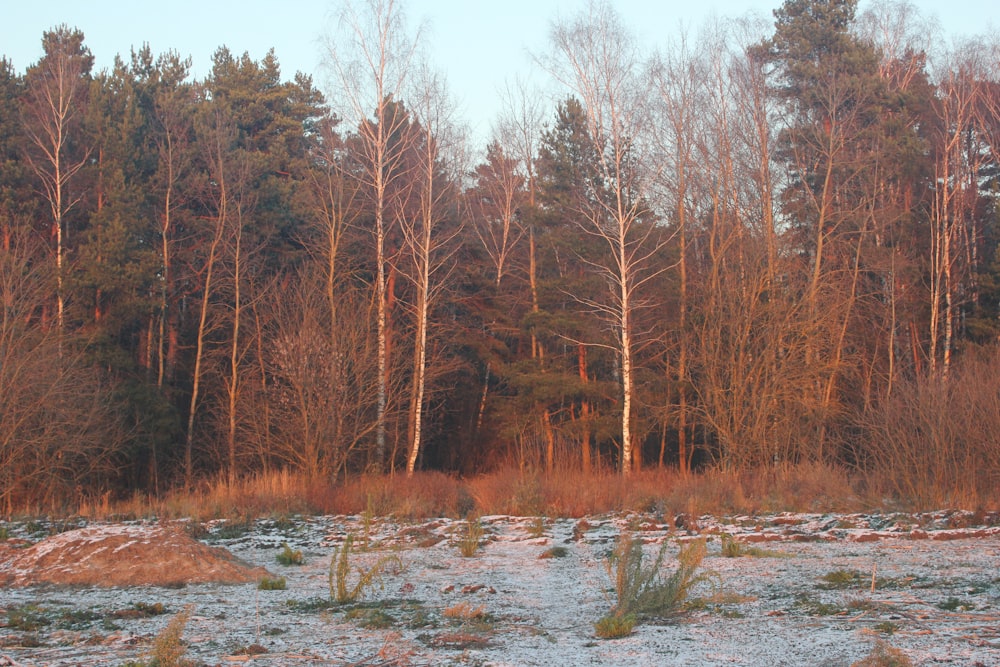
(804, 597)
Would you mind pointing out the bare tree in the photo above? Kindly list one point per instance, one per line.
(322, 394)
(55, 101)
(960, 153)
(517, 130)
(334, 197)
(597, 59)
(59, 429)
(677, 79)
(430, 243)
(172, 112)
(371, 63)
(217, 139)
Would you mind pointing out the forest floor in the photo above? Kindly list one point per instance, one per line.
(807, 589)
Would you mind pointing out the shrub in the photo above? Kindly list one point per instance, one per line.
(731, 548)
(168, 648)
(537, 527)
(289, 557)
(644, 590)
(555, 552)
(269, 584)
(340, 569)
(884, 655)
(839, 579)
(463, 611)
(371, 618)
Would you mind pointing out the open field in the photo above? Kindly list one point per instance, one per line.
(797, 589)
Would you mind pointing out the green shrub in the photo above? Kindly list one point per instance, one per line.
(28, 618)
(645, 590)
(289, 557)
(269, 584)
(838, 579)
(371, 618)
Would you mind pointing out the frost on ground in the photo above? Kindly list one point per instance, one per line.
(804, 590)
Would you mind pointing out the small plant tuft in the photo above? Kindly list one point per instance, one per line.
(537, 527)
(555, 552)
(733, 548)
(614, 626)
(468, 543)
(839, 579)
(28, 618)
(289, 557)
(884, 655)
(463, 611)
(141, 610)
(371, 618)
(272, 584)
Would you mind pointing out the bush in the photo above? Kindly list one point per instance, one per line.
(934, 441)
(644, 590)
(555, 552)
(269, 584)
(289, 557)
(884, 655)
(168, 648)
(340, 569)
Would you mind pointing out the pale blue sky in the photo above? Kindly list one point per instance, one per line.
(478, 45)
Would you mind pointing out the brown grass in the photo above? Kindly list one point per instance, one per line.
(565, 493)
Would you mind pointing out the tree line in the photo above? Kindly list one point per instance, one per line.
(771, 244)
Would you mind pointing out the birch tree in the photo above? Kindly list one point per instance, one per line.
(597, 59)
(371, 61)
(56, 90)
(427, 238)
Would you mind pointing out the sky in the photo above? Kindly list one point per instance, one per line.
(480, 46)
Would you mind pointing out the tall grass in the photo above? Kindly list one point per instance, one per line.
(563, 493)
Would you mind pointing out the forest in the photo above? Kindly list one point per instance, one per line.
(770, 243)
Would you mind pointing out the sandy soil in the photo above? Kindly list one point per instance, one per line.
(804, 598)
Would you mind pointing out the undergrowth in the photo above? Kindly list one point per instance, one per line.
(645, 590)
(561, 493)
(883, 655)
(342, 590)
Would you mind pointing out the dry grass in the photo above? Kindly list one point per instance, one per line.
(168, 647)
(883, 655)
(564, 493)
(463, 611)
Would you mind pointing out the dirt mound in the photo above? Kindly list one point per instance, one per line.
(116, 555)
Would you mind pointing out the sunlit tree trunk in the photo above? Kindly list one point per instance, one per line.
(597, 59)
(217, 146)
(55, 99)
(373, 69)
